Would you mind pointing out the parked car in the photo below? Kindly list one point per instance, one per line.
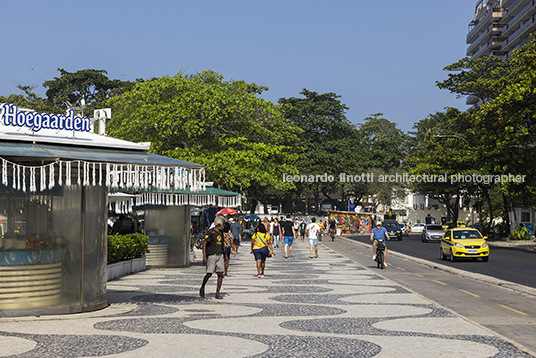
(393, 229)
(405, 229)
(463, 242)
(432, 232)
(417, 228)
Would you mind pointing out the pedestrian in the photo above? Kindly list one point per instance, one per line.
(213, 252)
(261, 247)
(297, 228)
(303, 225)
(289, 233)
(276, 229)
(266, 224)
(236, 230)
(333, 228)
(313, 230)
(321, 231)
(228, 243)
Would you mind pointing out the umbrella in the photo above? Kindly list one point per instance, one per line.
(252, 217)
(226, 211)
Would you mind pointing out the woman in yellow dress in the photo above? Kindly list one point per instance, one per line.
(261, 245)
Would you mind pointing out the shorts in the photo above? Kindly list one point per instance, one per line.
(236, 242)
(228, 252)
(288, 240)
(313, 241)
(383, 242)
(260, 254)
(215, 263)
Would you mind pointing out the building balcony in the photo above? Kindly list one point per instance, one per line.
(512, 8)
(492, 16)
(493, 44)
(492, 31)
(513, 24)
(517, 37)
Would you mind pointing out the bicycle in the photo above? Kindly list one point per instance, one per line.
(380, 248)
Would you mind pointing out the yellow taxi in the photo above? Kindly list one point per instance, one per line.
(463, 242)
(449, 224)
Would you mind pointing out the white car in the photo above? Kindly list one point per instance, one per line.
(417, 228)
(405, 229)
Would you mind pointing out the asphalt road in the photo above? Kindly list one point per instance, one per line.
(505, 311)
(509, 264)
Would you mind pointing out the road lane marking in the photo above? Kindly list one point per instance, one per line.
(401, 269)
(516, 311)
(419, 275)
(441, 283)
(469, 293)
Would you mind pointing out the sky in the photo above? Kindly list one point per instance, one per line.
(380, 56)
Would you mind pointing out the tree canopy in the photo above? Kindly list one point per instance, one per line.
(494, 138)
(243, 140)
(330, 144)
(91, 86)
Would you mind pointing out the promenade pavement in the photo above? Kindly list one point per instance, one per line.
(322, 307)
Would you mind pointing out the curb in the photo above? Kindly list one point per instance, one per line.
(475, 276)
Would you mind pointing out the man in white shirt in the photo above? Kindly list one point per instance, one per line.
(313, 231)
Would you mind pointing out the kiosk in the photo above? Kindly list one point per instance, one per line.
(55, 175)
(167, 219)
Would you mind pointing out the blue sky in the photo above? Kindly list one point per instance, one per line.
(381, 56)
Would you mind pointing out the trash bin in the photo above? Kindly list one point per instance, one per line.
(339, 231)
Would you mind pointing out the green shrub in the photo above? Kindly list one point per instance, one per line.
(520, 233)
(126, 247)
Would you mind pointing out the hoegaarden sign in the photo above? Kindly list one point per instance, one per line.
(12, 116)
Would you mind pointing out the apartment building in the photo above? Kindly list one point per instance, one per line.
(499, 26)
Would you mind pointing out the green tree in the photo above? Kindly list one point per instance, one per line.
(483, 78)
(330, 143)
(29, 99)
(500, 132)
(91, 86)
(242, 140)
(387, 144)
(509, 124)
(386, 148)
(427, 130)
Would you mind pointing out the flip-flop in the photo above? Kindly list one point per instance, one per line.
(218, 297)
(316, 256)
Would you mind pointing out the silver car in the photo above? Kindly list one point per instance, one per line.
(432, 232)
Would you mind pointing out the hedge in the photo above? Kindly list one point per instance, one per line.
(520, 233)
(127, 247)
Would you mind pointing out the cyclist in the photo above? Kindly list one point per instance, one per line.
(380, 234)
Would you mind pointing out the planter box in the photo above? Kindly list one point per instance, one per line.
(123, 268)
